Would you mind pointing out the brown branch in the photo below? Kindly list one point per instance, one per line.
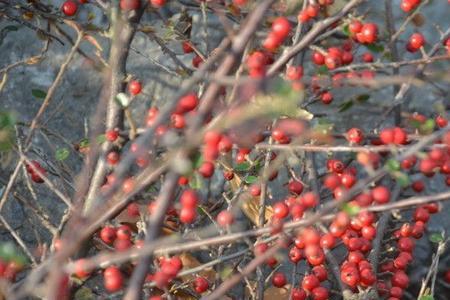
(154, 225)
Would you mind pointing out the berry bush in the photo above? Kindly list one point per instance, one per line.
(300, 151)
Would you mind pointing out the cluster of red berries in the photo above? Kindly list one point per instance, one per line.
(9, 269)
(281, 27)
(187, 48)
(364, 33)
(312, 10)
(257, 63)
(33, 168)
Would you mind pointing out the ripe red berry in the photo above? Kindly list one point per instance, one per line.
(278, 279)
(206, 169)
(318, 58)
(320, 293)
(416, 41)
(368, 33)
(294, 72)
(447, 276)
(130, 4)
(189, 199)
(355, 27)
(134, 87)
(113, 279)
(80, 269)
(355, 135)
(112, 135)
(225, 218)
(327, 241)
(157, 3)
(298, 294)
(350, 276)
(310, 282)
(400, 279)
(310, 200)
(281, 27)
(280, 210)
(255, 190)
(326, 98)
(201, 285)
(441, 122)
(295, 255)
(69, 8)
(187, 215)
(108, 235)
(187, 103)
(381, 194)
(320, 272)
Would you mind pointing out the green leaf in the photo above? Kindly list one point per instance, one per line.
(322, 70)
(7, 132)
(84, 143)
(436, 237)
(401, 178)
(346, 30)
(196, 182)
(197, 160)
(426, 297)
(393, 165)
(375, 47)
(101, 139)
(345, 106)
(84, 293)
(62, 154)
(250, 179)
(226, 272)
(362, 98)
(242, 167)
(38, 93)
(351, 209)
(427, 127)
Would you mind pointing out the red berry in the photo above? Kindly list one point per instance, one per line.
(327, 241)
(278, 279)
(295, 254)
(255, 190)
(381, 194)
(112, 135)
(206, 169)
(310, 282)
(320, 293)
(134, 87)
(294, 72)
(201, 285)
(320, 272)
(225, 218)
(189, 199)
(298, 294)
(80, 269)
(441, 122)
(355, 135)
(400, 279)
(157, 3)
(326, 98)
(318, 58)
(130, 4)
(187, 215)
(69, 8)
(281, 27)
(350, 276)
(355, 26)
(113, 279)
(280, 210)
(416, 40)
(187, 103)
(108, 235)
